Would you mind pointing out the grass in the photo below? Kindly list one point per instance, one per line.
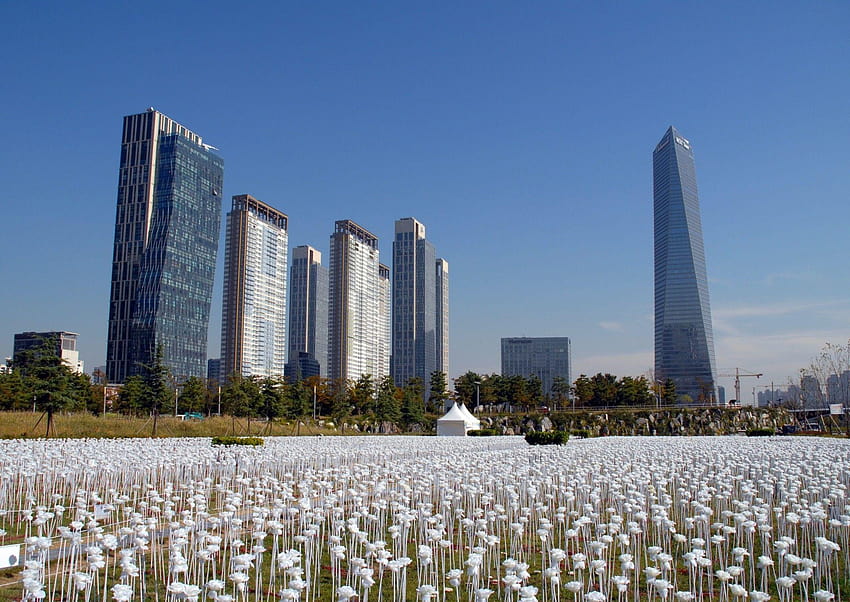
(18, 425)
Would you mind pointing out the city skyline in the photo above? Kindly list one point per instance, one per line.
(528, 161)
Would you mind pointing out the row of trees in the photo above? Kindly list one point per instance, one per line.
(41, 381)
(500, 391)
(601, 390)
(272, 398)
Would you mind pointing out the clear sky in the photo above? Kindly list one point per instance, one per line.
(520, 133)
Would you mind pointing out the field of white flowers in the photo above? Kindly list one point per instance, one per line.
(427, 518)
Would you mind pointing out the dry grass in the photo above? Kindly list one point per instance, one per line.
(80, 425)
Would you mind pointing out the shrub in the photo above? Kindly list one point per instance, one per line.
(482, 433)
(547, 438)
(580, 433)
(237, 441)
(761, 432)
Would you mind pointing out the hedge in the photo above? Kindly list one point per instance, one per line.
(483, 433)
(237, 441)
(547, 438)
(760, 432)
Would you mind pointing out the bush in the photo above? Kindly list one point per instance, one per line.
(483, 433)
(237, 441)
(580, 433)
(547, 438)
(760, 432)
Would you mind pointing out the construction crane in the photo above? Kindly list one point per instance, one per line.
(738, 376)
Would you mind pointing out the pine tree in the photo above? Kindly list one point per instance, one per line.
(438, 391)
(386, 404)
(157, 393)
(193, 395)
(412, 410)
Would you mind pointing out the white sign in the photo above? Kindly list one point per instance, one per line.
(836, 409)
(10, 556)
(101, 511)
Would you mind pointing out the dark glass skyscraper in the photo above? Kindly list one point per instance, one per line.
(414, 312)
(166, 239)
(684, 343)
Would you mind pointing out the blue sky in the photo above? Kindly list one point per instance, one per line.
(521, 134)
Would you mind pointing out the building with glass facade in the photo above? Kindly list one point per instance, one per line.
(308, 308)
(301, 365)
(253, 321)
(414, 304)
(442, 310)
(684, 342)
(214, 370)
(544, 357)
(354, 308)
(167, 224)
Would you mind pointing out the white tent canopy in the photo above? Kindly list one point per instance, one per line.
(471, 420)
(457, 422)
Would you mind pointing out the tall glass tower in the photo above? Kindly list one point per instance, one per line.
(253, 316)
(414, 294)
(166, 240)
(684, 343)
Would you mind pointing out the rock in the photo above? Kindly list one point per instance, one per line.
(546, 424)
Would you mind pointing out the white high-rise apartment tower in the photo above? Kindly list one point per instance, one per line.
(384, 319)
(443, 316)
(308, 307)
(253, 326)
(354, 308)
